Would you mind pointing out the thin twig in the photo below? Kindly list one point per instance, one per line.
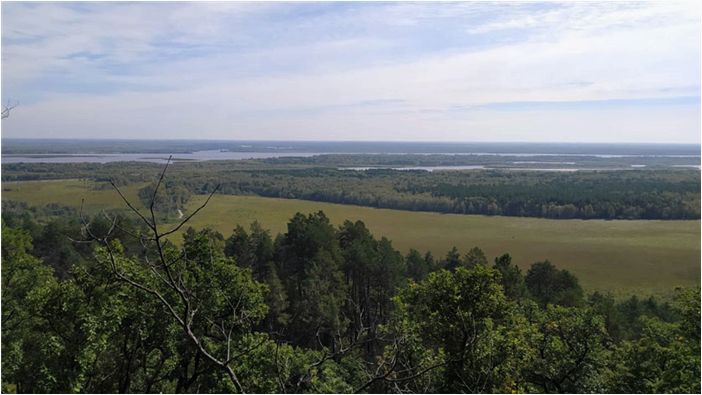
(191, 215)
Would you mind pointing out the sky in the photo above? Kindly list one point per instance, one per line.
(458, 71)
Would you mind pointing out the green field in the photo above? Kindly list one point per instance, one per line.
(619, 256)
(69, 193)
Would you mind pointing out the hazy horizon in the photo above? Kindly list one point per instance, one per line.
(472, 72)
(353, 141)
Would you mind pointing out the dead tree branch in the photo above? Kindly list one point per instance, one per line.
(184, 309)
(6, 109)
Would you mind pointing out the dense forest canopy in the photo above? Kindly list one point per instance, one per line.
(606, 194)
(317, 308)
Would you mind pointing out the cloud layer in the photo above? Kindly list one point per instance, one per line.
(354, 71)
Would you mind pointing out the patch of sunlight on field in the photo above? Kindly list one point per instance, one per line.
(617, 256)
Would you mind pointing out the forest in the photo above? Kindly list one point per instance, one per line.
(108, 303)
(664, 194)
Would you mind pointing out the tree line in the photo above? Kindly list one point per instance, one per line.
(645, 194)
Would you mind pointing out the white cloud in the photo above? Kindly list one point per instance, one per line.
(310, 87)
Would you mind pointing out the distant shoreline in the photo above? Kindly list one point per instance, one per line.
(86, 147)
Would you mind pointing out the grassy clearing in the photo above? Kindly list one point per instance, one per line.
(69, 193)
(618, 256)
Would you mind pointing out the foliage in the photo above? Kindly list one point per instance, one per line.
(318, 309)
(482, 339)
(512, 280)
(608, 194)
(549, 285)
(571, 351)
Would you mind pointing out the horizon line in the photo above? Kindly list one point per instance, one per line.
(350, 141)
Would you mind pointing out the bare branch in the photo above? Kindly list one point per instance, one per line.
(135, 210)
(158, 184)
(6, 109)
(140, 286)
(248, 350)
(385, 376)
(191, 215)
(327, 356)
(153, 197)
(182, 308)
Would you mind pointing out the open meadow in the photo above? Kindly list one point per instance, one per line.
(618, 256)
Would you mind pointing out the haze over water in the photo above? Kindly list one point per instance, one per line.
(551, 155)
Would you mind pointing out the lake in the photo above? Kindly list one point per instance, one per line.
(509, 156)
(147, 157)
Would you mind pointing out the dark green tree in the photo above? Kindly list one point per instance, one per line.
(311, 265)
(549, 285)
(512, 279)
(474, 257)
(417, 266)
(452, 260)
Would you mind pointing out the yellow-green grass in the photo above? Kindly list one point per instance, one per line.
(69, 193)
(650, 257)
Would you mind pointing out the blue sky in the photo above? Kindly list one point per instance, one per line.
(470, 71)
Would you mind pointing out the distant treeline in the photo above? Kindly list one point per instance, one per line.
(501, 161)
(639, 194)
